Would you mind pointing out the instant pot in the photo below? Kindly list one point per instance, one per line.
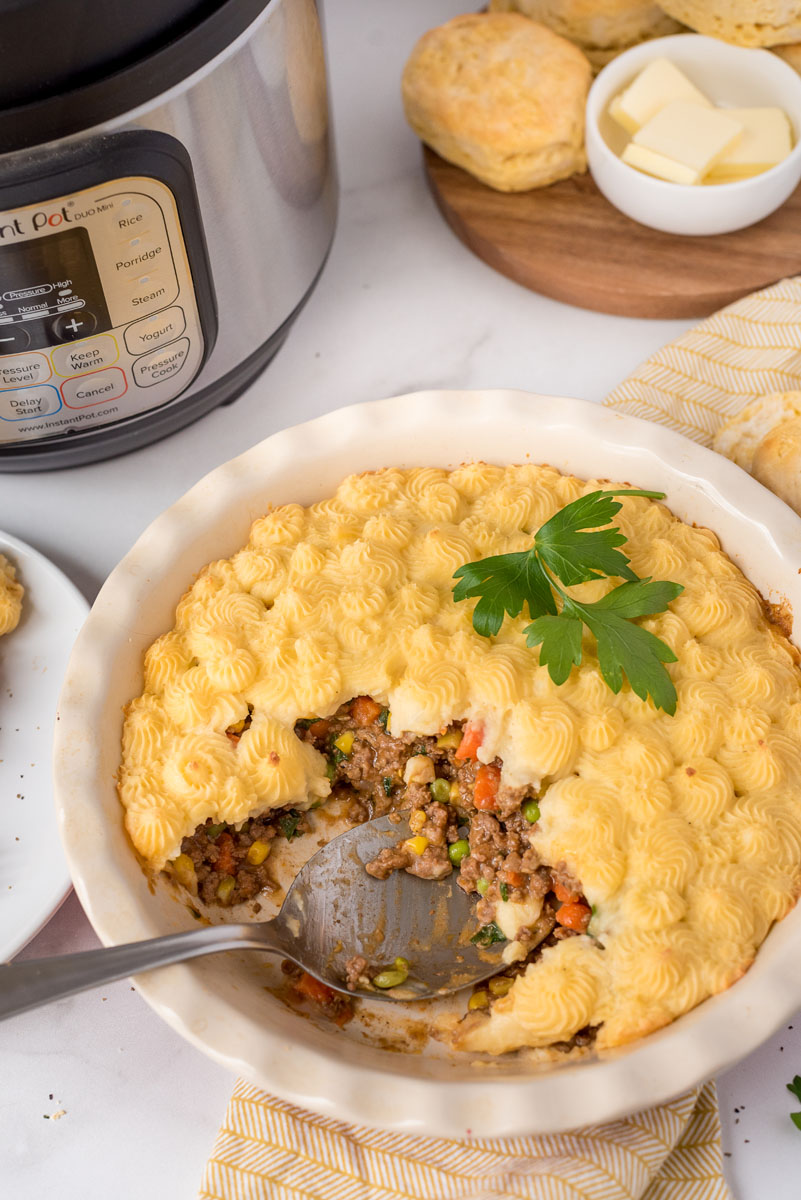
(167, 201)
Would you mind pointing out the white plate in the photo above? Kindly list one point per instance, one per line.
(34, 878)
(220, 1003)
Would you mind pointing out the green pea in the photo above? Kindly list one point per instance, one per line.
(482, 886)
(390, 978)
(440, 790)
(458, 850)
(531, 811)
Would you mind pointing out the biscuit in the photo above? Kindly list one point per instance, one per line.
(777, 462)
(740, 436)
(602, 28)
(743, 22)
(501, 96)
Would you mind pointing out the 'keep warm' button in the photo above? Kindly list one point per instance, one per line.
(96, 388)
(162, 364)
(78, 358)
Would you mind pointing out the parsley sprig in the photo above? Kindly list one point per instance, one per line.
(795, 1088)
(569, 549)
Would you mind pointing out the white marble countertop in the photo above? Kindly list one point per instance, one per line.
(401, 306)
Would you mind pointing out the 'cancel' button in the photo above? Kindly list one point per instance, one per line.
(162, 364)
(95, 388)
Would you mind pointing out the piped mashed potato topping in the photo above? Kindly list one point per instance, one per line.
(685, 830)
(11, 593)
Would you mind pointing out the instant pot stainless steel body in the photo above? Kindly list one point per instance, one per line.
(152, 262)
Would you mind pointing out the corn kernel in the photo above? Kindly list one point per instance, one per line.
(224, 888)
(455, 793)
(500, 985)
(258, 852)
(417, 820)
(449, 741)
(184, 871)
(479, 999)
(344, 743)
(416, 845)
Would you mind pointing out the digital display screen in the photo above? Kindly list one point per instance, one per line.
(50, 292)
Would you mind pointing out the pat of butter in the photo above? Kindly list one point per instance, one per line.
(654, 88)
(766, 140)
(682, 142)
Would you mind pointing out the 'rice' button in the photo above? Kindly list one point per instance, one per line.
(162, 364)
(97, 388)
(155, 331)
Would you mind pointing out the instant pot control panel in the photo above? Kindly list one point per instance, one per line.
(103, 316)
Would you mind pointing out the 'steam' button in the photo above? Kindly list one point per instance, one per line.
(97, 388)
(26, 404)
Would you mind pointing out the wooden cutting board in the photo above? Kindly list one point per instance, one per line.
(567, 242)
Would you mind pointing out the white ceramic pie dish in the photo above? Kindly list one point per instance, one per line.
(220, 1003)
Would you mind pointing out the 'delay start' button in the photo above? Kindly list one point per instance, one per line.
(18, 370)
(88, 355)
(97, 388)
(161, 365)
(28, 403)
(154, 331)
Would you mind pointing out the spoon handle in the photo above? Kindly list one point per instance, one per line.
(37, 981)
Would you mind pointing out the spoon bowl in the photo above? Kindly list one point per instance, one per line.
(333, 911)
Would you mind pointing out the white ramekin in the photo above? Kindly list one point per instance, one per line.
(730, 76)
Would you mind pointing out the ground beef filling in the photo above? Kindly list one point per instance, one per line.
(461, 816)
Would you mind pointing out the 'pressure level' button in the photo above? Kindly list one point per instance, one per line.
(97, 388)
(162, 364)
(155, 331)
(85, 356)
(18, 370)
(26, 404)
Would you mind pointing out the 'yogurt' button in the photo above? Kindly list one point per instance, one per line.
(17, 370)
(89, 355)
(155, 331)
(26, 404)
(161, 365)
(96, 388)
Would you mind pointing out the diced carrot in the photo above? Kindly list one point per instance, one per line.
(319, 728)
(564, 894)
(514, 878)
(488, 780)
(226, 863)
(472, 738)
(313, 989)
(364, 710)
(574, 916)
(233, 737)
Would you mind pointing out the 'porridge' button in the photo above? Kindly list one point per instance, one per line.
(161, 365)
(155, 331)
(96, 388)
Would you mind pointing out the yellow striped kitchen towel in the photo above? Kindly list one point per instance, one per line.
(270, 1150)
(698, 381)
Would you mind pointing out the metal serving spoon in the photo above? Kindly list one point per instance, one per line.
(333, 911)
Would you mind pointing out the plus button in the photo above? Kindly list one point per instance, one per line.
(68, 328)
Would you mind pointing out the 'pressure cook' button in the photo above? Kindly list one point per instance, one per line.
(94, 389)
(89, 355)
(155, 331)
(154, 368)
(18, 370)
(26, 404)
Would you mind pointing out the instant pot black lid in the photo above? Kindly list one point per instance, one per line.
(68, 65)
